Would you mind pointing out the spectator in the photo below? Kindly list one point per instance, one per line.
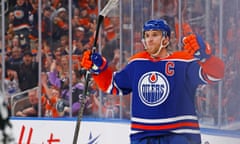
(21, 24)
(50, 99)
(15, 58)
(16, 41)
(109, 48)
(168, 8)
(92, 9)
(76, 17)
(33, 109)
(60, 22)
(27, 72)
(51, 95)
(79, 35)
(64, 44)
(47, 57)
(63, 68)
(78, 48)
(47, 60)
(86, 23)
(57, 54)
(10, 17)
(10, 32)
(62, 82)
(33, 21)
(47, 24)
(110, 28)
(111, 107)
(11, 82)
(93, 104)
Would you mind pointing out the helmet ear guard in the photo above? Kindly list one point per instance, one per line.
(164, 33)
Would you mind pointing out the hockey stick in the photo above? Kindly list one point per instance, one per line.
(108, 7)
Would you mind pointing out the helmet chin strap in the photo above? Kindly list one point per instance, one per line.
(160, 48)
(144, 43)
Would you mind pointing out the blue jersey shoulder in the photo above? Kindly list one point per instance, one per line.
(176, 56)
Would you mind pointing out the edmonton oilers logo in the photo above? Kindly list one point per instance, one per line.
(153, 88)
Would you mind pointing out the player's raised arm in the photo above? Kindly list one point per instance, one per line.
(212, 66)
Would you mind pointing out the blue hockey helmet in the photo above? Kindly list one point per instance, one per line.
(157, 24)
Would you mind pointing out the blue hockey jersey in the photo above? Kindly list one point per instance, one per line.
(162, 94)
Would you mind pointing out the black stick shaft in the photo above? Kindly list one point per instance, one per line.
(99, 22)
(87, 76)
(111, 4)
(80, 112)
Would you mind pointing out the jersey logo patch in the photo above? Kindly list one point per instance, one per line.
(19, 14)
(153, 88)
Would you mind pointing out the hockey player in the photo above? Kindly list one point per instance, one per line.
(6, 132)
(163, 85)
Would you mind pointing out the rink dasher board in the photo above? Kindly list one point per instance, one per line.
(101, 131)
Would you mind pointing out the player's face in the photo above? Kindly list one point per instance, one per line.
(20, 2)
(153, 41)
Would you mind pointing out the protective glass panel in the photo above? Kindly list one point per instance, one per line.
(51, 36)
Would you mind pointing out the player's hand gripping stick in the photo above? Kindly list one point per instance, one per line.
(93, 62)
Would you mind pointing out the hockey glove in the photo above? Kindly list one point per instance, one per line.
(195, 45)
(86, 62)
(93, 62)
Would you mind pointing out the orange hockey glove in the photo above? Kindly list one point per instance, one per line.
(86, 62)
(195, 45)
(93, 62)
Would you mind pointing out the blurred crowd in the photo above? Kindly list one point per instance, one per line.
(62, 79)
(225, 95)
(60, 74)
